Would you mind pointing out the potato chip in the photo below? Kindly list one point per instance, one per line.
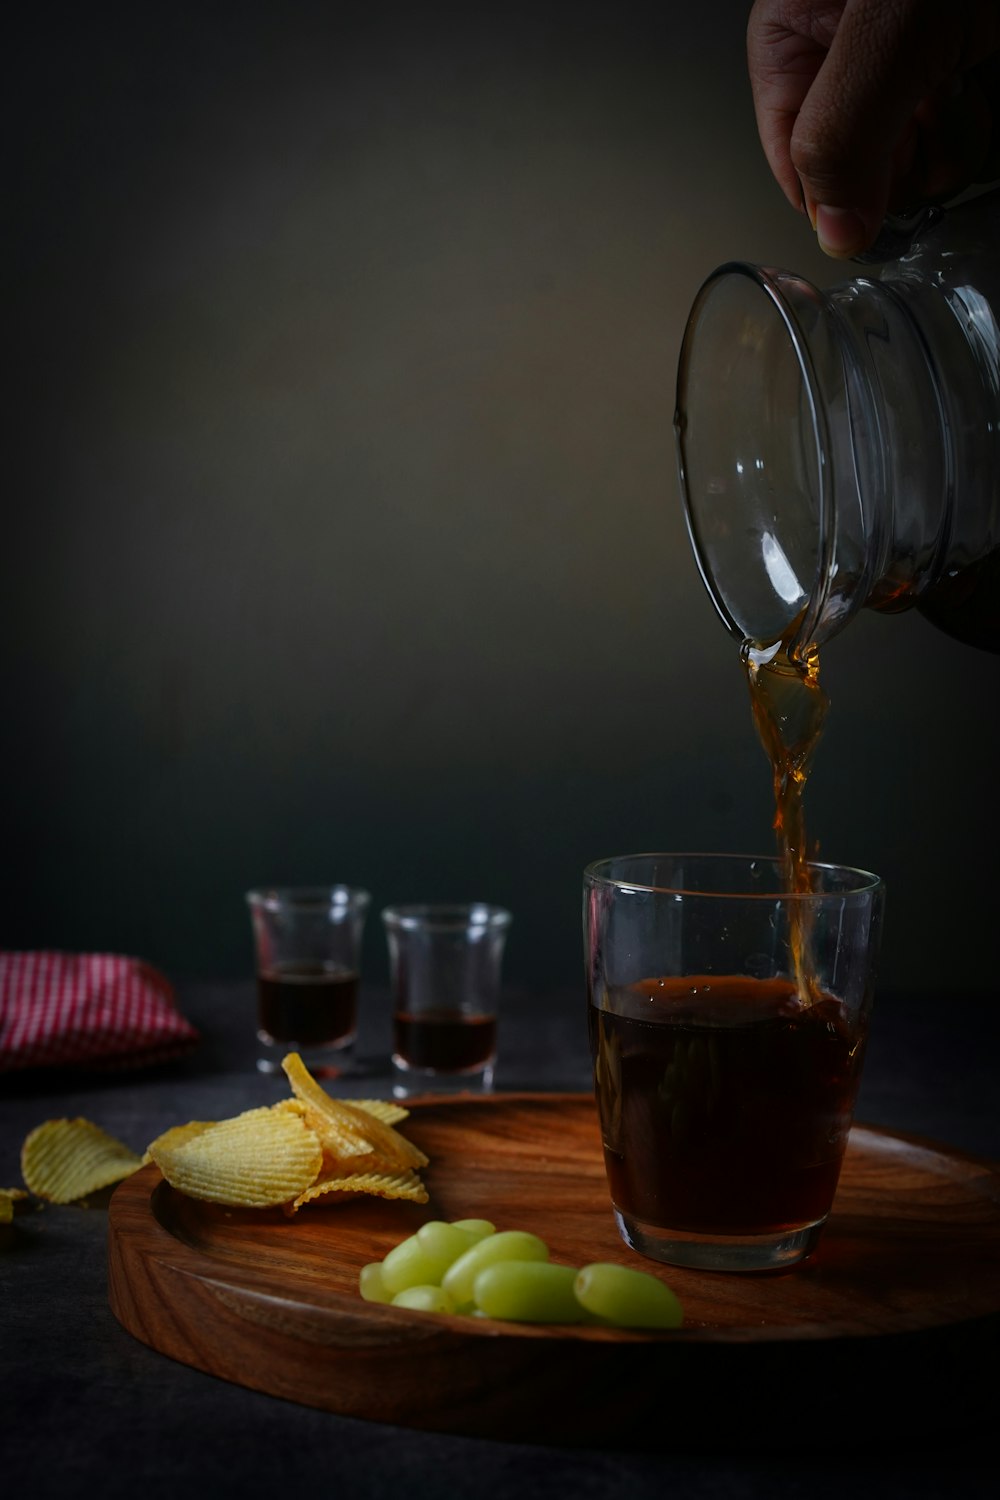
(348, 1130)
(393, 1147)
(340, 1141)
(378, 1184)
(176, 1135)
(64, 1160)
(338, 1136)
(383, 1109)
(259, 1159)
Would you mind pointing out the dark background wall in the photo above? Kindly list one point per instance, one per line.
(343, 538)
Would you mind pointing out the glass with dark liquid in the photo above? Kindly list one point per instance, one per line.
(444, 964)
(725, 1082)
(308, 949)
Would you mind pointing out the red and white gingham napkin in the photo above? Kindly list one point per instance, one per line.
(91, 1010)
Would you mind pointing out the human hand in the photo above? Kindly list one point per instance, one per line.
(868, 107)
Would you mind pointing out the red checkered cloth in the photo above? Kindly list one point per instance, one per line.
(89, 1010)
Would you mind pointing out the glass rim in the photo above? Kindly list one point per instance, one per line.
(780, 289)
(307, 897)
(446, 916)
(865, 880)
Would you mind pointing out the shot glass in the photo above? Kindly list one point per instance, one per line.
(444, 968)
(727, 1020)
(307, 943)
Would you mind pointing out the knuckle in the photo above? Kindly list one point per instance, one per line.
(820, 157)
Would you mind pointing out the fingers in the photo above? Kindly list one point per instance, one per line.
(855, 122)
(787, 44)
(870, 106)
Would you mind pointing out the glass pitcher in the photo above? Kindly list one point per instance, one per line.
(841, 449)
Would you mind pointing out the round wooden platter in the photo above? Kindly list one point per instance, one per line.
(893, 1313)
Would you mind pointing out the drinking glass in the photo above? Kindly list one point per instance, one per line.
(444, 963)
(307, 942)
(727, 1021)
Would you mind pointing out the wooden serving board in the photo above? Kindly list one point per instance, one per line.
(893, 1313)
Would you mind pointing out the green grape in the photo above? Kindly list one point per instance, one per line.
(509, 1244)
(442, 1243)
(529, 1291)
(626, 1297)
(371, 1285)
(479, 1227)
(423, 1258)
(407, 1265)
(424, 1299)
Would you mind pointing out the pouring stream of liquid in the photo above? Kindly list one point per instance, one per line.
(789, 709)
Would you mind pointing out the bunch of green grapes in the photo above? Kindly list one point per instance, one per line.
(469, 1267)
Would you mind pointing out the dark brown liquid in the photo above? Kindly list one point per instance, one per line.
(445, 1041)
(313, 1004)
(725, 1102)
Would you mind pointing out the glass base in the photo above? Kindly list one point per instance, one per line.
(408, 1083)
(328, 1060)
(720, 1252)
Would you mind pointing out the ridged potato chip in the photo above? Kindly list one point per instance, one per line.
(288, 1154)
(376, 1184)
(64, 1160)
(177, 1135)
(339, 1138)
(348, 1130)
(385, 1139)
(383, 1109)
(259, 1159)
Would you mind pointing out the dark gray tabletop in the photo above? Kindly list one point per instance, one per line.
(87, 1409)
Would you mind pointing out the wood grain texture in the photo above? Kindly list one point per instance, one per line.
(901, 1300)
